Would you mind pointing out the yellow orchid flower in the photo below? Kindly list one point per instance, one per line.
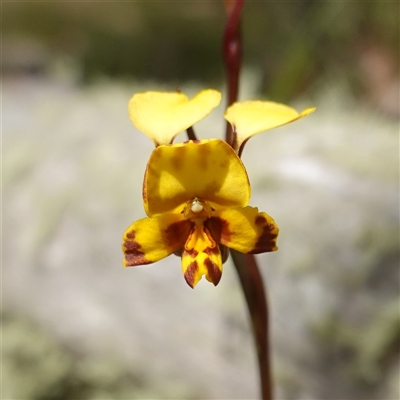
(196, 193)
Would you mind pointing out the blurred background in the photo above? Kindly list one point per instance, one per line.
(76, 324)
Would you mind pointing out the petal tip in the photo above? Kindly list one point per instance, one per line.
(307, 111)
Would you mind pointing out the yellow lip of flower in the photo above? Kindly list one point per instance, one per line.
(196, 195)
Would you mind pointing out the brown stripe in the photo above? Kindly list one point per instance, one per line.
(219, 229)
(132, 250)
(190, 273)
(260, 220)
(213, 271)
(266, 241)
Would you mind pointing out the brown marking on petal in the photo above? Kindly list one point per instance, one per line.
(204, 152)
(177, 162)
(209, 236)
(131, 260)
(260, 220)
(178, 231)
(189, 238)
(192, 253)
(132, 250)
(214, 273)
(144, 193)
(211, 251)
(224, 253)
(196, 141)
(190, 274)
(144, 187)
(131, 247)
(267, 240)
(219, 229)
(130, 235)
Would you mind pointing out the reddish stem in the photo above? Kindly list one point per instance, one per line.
(246, 265)
(253, 288)
(232, 51)
(190, 133)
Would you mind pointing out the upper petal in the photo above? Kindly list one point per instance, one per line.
(244, 229)
(151, 239)
(162, 115)
(207, 169)
(251, 117)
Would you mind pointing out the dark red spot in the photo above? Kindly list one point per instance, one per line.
(213, 271)
(130, 235)
(178, 232)
(190, 274)
(192, 253)
(132, 250)
(211, 251)
(132, 247)
(219, 229)
(131, 260)
(260, 220)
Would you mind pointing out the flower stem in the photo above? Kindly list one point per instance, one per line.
(190, 133)
(246, 265)
(253, 288)
(232, 52)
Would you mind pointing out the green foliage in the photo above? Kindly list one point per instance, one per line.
(293, 43)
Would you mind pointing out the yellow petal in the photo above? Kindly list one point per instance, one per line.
(207, 169)
(151, 239)
(201, 256)
(252, 117)
(244, 229)
(162, 115)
